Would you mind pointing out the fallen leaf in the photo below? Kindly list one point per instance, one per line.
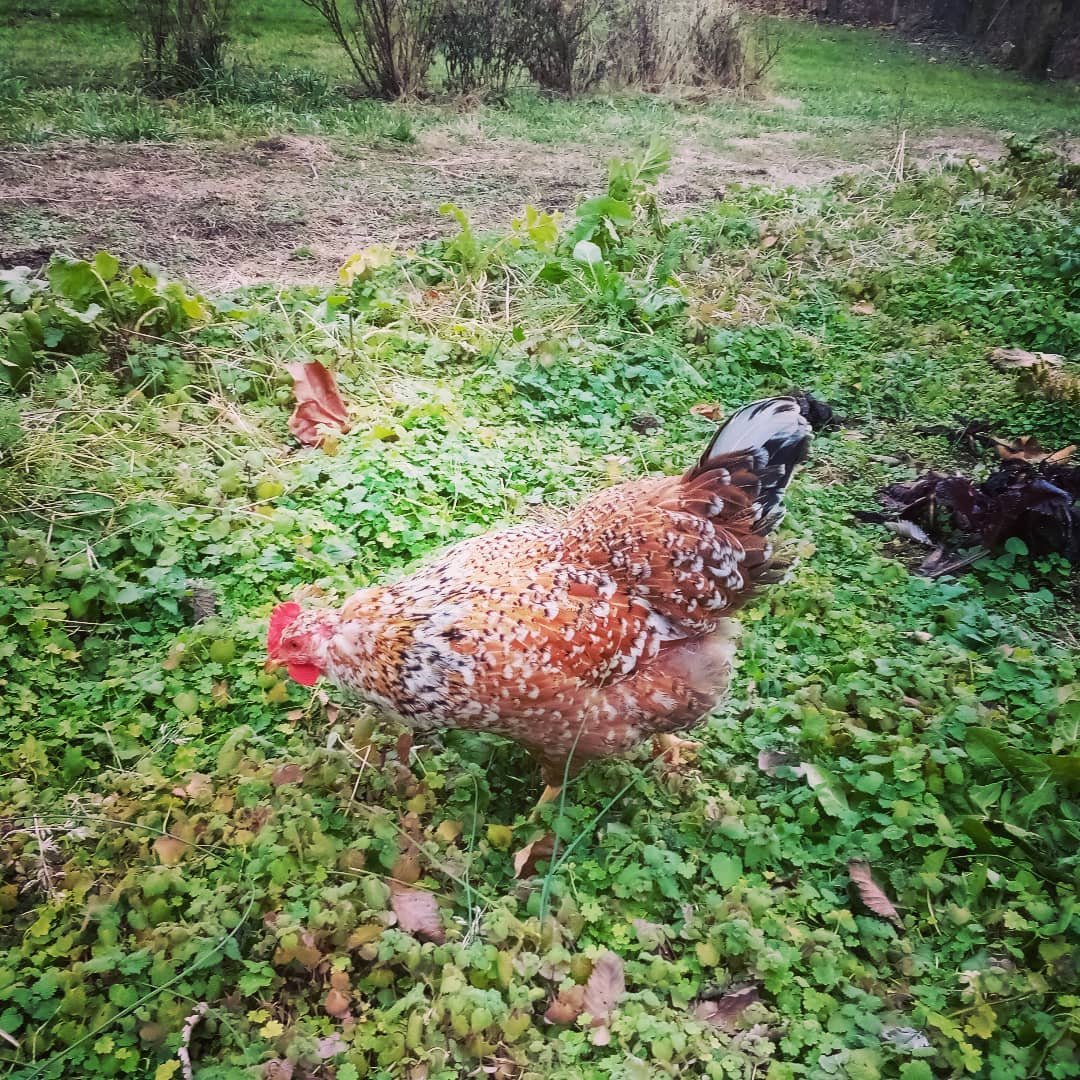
(871, 893)
(567, 1005)
(336, 1003)
(174, 658)
(1028, 448)
(605, 988)
(1008, 359)
(278, 1069)
(320, 410)
(708, 410)
(363, 935)
(406, 866)
(650, 935)
(169, 850)
(448, 831)
(403, 747)
(863, 307)
(198, 785)
(537, 850)
(417, 913)
(769, 241)
(287, 774)
(330, 1046)
(724, 1012)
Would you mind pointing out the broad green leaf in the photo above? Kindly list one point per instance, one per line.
(585, 251)
(1063, 767)
(726, 870)
(106, 265)
(615, 210)
(73, 279)
(828, 789)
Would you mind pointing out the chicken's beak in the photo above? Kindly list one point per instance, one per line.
(272, 664)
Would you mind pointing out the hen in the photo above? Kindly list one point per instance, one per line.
(580, 640)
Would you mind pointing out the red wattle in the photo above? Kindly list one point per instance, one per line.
(304, 674)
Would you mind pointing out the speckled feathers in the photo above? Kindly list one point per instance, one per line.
(583, 638)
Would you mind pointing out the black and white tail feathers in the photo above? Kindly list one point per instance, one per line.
(772, 437)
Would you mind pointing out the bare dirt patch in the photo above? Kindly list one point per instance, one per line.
(290, 209)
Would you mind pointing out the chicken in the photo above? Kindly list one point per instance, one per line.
(580, 640)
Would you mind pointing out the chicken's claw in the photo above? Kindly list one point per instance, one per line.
(674, 750)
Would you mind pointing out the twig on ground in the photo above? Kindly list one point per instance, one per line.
(183, 1052)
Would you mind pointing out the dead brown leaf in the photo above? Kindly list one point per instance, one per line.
(605, 988)
(304, 951)
(329, 1046)
(169, 850)
(174, 658)
(320, 411)
(1028, 448)
(724, 1012)
(871, 893)
(1011, 359)
(863, 307)
(708, 410)
(336, 1003)
(197, 787)
(769, 241)
(537, 850)
(567, 1005)
(417, 913)
(287, 774)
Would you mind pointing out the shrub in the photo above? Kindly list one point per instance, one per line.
(481, 43)
(565, 43)
(390, 43)
(680, 43)
(181, 41)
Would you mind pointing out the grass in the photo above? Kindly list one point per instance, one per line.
(62, 66)
(184, 831)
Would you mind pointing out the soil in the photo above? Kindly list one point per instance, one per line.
(290, 209)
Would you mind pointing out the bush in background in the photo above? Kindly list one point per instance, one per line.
(678, 43)
(390, 43)
(480, 41)
(565, 43)
(181, 42)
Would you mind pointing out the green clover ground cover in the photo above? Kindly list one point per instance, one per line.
(180, 827)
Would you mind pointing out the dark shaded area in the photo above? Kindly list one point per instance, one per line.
(1039, 503)
(1039, 38)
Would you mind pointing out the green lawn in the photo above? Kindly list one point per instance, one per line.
(68, 69)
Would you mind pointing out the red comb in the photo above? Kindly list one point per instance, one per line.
(281, 616)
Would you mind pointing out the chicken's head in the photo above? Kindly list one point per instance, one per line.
(298, 639)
